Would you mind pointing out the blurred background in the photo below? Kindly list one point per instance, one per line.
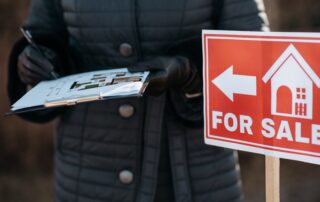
(26, 149)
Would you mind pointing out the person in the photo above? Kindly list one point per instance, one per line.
(132, 149)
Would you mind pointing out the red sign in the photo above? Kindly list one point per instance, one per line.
(261, 93)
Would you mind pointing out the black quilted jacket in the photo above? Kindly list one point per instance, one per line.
(110, 151)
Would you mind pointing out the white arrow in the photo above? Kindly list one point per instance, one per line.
(230, 83)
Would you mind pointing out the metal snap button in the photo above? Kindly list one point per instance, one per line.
(126, 176)
(126, 110)
(126, 50)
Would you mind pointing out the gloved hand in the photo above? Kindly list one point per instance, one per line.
(169, 72)
(34, 67)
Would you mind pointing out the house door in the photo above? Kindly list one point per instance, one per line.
(284, 100)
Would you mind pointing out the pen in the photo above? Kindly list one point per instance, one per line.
(28, 36)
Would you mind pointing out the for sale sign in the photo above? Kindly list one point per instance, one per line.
(261, 93)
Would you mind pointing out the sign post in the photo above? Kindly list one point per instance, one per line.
(262, 95)
(272, 179)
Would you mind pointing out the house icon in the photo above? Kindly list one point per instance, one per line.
(292, 85)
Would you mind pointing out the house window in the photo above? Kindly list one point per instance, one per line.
(301, 93)
(301, 109)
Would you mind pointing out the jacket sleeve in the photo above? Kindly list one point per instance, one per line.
(229, 15)
(45, 21)
(246, 15)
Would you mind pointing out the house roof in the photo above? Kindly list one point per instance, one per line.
(291, 50)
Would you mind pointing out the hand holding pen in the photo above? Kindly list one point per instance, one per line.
(36, 63)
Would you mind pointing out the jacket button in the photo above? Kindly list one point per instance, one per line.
(126, 49)
(126, 110)
(126, 176)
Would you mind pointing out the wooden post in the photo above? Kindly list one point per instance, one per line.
(272, 179)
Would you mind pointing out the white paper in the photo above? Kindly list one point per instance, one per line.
(103, 84)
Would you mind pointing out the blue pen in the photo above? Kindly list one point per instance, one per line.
(28, 36)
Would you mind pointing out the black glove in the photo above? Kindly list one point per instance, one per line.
(34, 66)
(169, 73)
